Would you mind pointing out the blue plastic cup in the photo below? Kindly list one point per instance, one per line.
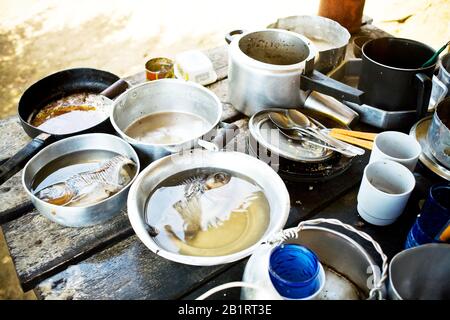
(433, 223)
(294, 271)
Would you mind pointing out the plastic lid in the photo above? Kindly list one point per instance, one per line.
(194, 65)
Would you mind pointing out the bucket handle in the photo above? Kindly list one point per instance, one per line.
(294, 232)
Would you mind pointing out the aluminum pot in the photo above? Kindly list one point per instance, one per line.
(79, 216)
(392, 77)
(339, 254)
(275, 68)
(159, 96)
(438, 136)
(329, 37)
(421, 273)
(240, 163)
(444, 71)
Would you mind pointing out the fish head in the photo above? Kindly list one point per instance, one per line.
(217, 180)
(58, 194)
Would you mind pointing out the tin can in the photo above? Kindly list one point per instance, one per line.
(159, 68)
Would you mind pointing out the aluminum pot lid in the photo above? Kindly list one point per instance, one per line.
(267, 134)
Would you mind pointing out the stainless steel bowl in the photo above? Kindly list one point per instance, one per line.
(438, 136)
(164, 95)
(79, 216)
(421, 273)
(256, 170)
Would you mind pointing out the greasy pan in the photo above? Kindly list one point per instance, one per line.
(51, 88)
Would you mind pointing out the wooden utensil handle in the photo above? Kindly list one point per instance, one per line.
(358, 142)
(357, 134)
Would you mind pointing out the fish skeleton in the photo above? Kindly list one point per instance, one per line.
(89, 187)
(189, 207)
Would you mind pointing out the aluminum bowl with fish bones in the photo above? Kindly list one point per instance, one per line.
(82, 180)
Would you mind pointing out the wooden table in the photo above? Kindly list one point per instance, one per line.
(108, 261)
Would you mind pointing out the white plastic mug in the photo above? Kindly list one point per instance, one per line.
(385, 189)
(396, 146)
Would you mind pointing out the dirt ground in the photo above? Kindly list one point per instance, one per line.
(40, 37)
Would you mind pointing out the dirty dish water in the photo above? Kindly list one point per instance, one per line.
(72, 113)
(169, 127)
(83, 178)
(208, 212)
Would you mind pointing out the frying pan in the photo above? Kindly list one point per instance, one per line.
(51, 88)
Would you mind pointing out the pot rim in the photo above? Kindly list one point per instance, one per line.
(156, 82)
(234, 48)
(365, 56)
(334, 24)
(135, 215)
(409, 251)
(67, 140)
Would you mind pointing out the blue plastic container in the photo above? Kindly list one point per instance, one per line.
(433, 223)
(294, 271)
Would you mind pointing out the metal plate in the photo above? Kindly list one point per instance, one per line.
(268, 135)
(297, 170)
(419, 131)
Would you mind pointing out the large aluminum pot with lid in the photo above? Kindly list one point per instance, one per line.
(268, 68)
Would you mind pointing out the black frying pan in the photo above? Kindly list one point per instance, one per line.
(51, 88)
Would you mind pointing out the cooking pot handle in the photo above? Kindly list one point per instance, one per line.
(319, 82)
(294, 232)
(115, 89)
(229, 36)
(18, 161)
(423, 94)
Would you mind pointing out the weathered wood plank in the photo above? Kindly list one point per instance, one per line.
(12, 137)
(38, 245)
(127, 270)
(232, 274)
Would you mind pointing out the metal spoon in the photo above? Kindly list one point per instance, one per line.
(296, 135)
(282, 122)
(302, 121)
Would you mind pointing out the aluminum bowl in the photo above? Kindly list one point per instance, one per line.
(421, 273)
(88, 215)
(159, 96)
(258, 171)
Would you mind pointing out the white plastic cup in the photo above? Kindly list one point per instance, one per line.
(385, 189)
(396, 146)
